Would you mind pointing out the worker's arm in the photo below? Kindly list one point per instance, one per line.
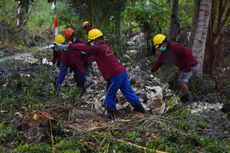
(61, 47)
(158, 64)
(83, 47)
(55, 56)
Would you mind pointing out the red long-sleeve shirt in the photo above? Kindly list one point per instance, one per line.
(177, 55)
(107, 62)
(73, 59)
(58, 57)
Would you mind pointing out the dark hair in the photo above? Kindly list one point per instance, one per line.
(100, 40)
(165, 40)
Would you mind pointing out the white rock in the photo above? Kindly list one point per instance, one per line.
(197, 107)
(155, 96)
(118, 106)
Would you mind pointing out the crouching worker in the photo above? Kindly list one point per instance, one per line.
(81, 60)
(180, 56)
(112, 71)
(70, 60)
(58, 60)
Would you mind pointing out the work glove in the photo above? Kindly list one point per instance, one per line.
(88, 82)
(69, 43)
(149, 72)
(53, 66)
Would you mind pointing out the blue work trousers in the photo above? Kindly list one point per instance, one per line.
(78, 76)
(120, 81)
(61, 75)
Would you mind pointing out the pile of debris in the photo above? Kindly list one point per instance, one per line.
(146, 86)
(137, 47)
(218, 126)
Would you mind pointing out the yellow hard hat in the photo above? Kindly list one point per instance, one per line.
(59, 39)
(94, 34)
(85, 23)
(158, 39)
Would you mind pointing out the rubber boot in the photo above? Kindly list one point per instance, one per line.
(111, 113)
(139, 108)
(81, 85)
(186, 99)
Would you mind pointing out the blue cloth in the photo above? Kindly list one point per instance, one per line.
(185, 76)
(121, 82)
(61, 47)
(78, 76)
(61, 75)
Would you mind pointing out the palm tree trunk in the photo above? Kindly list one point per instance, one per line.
(174, 25)
(214, 53)
(198, 47)
(194, 22)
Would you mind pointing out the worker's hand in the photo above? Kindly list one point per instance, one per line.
(53, 66)
(70, 42)
(149, 72)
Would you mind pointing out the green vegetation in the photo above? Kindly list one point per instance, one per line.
(129, 137)
(36, 91)
(10, 135)
(7, 12)
(138, 13)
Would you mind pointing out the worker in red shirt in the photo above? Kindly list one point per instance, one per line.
(83, 60)
(72, 59)
(57, 56)
(176, 54)
(68, 60)
(112, 71)
(58, 60)
(71, 36)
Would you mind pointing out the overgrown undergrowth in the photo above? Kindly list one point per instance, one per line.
(179, 133)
